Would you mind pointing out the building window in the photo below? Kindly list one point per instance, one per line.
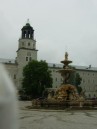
(83, 81)
(14, 76)
(30, 58)
(26, 58)
(28, 44)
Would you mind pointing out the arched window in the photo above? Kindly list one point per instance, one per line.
(29, 36)
(25, 34)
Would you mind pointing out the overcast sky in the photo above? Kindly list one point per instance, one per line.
(60, 25)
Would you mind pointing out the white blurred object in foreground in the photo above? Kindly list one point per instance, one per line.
(8, 102)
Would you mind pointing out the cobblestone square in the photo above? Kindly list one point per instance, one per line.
(51, 119)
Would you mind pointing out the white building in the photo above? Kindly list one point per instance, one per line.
(27, 51)
(88, 75)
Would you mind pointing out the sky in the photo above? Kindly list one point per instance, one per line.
(60, 26)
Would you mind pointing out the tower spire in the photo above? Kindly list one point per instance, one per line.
(28, 21)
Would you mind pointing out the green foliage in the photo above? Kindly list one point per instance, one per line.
(78, 80)
(75, 79)
(36, 77)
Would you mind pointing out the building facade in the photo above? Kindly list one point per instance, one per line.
(27, 51)
(88, 75)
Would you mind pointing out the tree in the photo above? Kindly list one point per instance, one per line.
(75, 79)
(78, 80)
(36, 77)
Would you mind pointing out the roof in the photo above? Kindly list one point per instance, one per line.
(54, 65)
(27, 26)
(85, 68)
(7, 60)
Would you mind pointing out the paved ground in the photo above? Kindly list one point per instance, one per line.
(43, 119)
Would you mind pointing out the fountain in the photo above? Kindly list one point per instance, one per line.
(67, 91)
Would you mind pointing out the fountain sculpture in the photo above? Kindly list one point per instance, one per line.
(66, 91)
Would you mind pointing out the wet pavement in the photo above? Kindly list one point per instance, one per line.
(51, 119)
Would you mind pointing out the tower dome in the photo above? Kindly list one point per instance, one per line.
(27, 31)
